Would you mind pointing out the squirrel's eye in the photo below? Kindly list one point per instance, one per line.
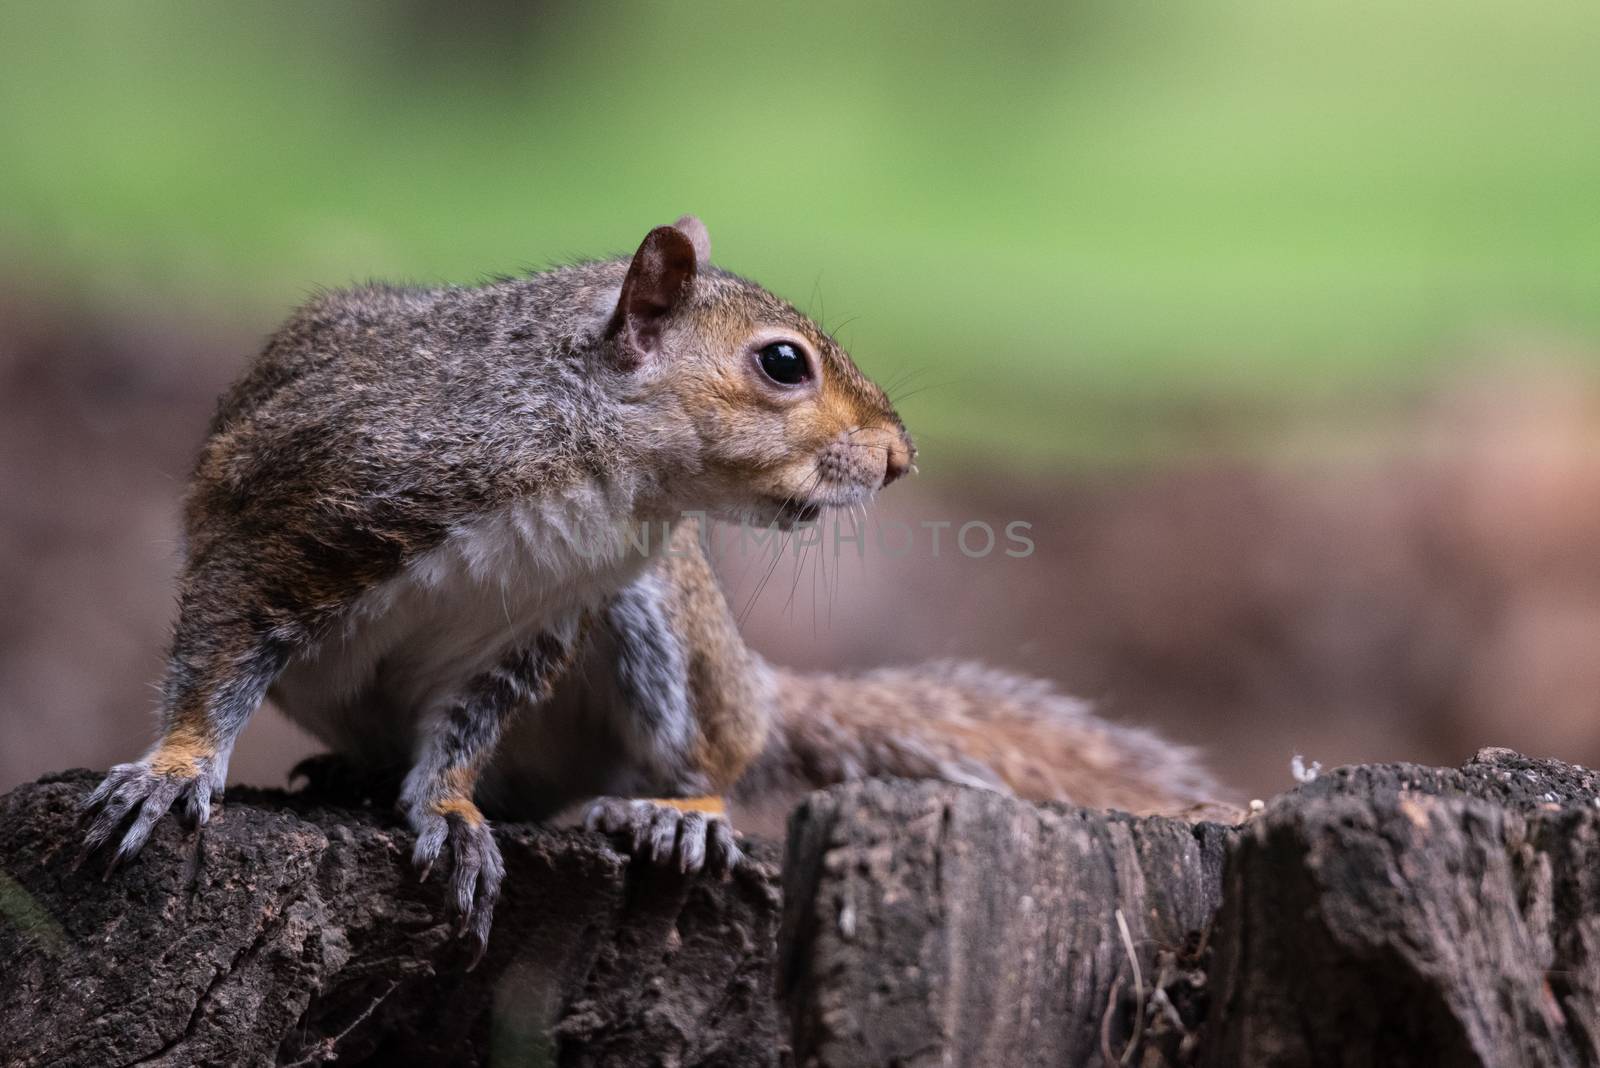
(784, 363)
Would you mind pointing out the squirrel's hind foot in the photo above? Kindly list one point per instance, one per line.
(337, 777)
(667, 835)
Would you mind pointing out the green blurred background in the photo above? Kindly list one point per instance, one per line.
(1047, 210)
(1280, 321)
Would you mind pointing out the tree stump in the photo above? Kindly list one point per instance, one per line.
(1381, 915)
(1401, 915)
(942, 925)
(293, 933)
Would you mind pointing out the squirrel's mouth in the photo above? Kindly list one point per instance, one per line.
(792, 512)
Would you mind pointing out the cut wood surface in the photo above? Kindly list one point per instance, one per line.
(1381, 915)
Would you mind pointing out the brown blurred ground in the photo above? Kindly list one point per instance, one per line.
(1415, 599)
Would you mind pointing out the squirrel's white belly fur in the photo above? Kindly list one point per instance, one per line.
(413, 642)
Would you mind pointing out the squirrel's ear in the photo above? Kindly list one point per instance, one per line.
(660, 276)
(695, 230)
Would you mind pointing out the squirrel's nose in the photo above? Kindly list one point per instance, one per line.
(897, 462)
(892, 443)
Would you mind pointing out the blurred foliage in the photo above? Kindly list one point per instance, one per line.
(1022, 212)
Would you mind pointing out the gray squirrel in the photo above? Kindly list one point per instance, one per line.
(416, 522)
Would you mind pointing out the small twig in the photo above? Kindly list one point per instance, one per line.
(1138, 989)
(1159, 998)
(1162, 1000)
(324, 1050)
(1105, 1022)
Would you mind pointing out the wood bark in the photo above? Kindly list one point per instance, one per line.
(952, 926)
(1400, 915)
(1381, 915)
(293, 933)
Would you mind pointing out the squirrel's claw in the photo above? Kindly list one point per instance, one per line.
(660, 836)
(137, 791)
(432, 829)
(722, 849)
(667, 836)
(691, 843)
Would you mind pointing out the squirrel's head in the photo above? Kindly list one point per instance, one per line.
(771, 419)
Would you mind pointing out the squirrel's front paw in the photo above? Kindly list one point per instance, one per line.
(476, 869)
(664, 834)
(139, 791)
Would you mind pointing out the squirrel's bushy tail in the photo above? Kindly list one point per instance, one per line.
(967, 723)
